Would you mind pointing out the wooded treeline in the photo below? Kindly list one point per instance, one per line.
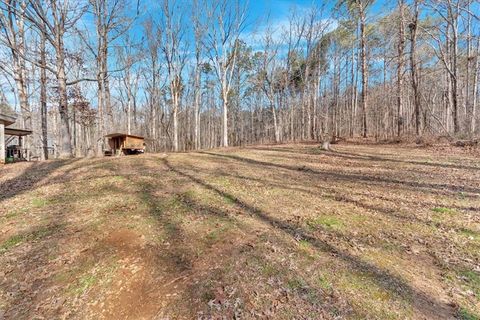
(203, 73)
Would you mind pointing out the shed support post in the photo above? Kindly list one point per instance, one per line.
(2, 143)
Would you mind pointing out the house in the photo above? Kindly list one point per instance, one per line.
(14, 152)
(121, 143)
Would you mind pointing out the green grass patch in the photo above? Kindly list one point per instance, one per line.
(472, 280)
(464, 314)
(32, 236)
(118, 178)
(324, 283)
(14, 213)
(442, 210)
(208, 295)
(104, 165)
(84, 283)
(39, 202)
(307, 250)
(42, 232)
(171, 228)
(304, 245)
(81, 278)
(223, 181)
(269, 270)
(470, 233)
(10, 243)
(296, 283)
(264, 266)
(363, 282)
(229, 199)
(214, 235)
(317, 150)
(174, 203)
(372, 300)
(328, 222)
(391, 247)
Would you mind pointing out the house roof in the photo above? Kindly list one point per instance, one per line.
(117, 134)
(7, 119)
(17, 132)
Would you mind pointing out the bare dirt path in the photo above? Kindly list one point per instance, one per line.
(273, 232)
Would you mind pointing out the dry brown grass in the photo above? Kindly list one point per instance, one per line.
(364, 231)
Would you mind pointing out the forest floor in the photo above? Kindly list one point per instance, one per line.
(272, 232)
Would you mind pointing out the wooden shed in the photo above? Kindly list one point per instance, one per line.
(122, 143)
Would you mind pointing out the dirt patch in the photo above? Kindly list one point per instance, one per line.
(126, 241)
(132, 291)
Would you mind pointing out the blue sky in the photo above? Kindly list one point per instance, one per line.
(276, 11)
(279, 9)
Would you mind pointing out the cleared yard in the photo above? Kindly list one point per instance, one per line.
(377, 232)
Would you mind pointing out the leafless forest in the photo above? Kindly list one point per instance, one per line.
(200, 74)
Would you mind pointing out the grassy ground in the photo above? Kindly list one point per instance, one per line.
(377, 232)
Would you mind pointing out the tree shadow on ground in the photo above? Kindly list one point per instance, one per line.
(342, 197)
(424, 304)
(349, 177)
(44, 250)
(339, 196)
(216, 266)
(355, 156)
(367, 157)
(192, 269)
(28, 179)
(41, 247)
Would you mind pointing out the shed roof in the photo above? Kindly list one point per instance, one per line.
(7, 119)
(117, 134)
(17, 132)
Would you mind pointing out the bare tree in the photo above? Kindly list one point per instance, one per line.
(266, 76)
(43, 94)
(413, 26)
(226, 21)
(127, 58)
(175, 56)
(199, 33)
(400, 67)
(53, 18)
(12, 28)
(111, 22)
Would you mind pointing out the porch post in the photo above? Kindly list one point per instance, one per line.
(2, 143)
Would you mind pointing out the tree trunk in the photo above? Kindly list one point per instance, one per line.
(43, 96)
(475, 90)
(196, 107)
(225, 118)
(413, 67)
(364, 69)
(454, 75)
(175, 120)
(65, 136)
(401, 46)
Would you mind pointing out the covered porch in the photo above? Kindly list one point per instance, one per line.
(16, 151)
(10, 152)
